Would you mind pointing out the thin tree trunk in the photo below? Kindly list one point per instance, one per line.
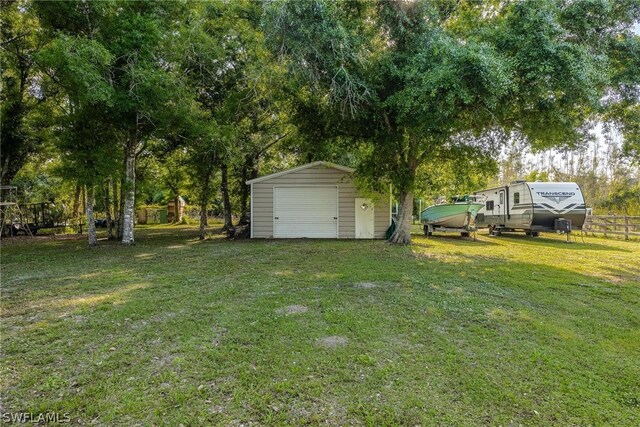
(249, 172)
(107, 208)
(84, 198)
(121, 208)
(204, 201)
(244, 204)
(402, 233)
(76, 204)
(128, 216)
(116, 206)
(91, 223)
(224, 187)
(5, 178)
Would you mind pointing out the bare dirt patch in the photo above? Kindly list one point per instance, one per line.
(366, 285)
(292, 309)
(333, 341)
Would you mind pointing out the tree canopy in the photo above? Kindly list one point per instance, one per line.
(420, 81)
(145, 101)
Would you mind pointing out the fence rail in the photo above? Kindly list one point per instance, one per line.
(617, 225)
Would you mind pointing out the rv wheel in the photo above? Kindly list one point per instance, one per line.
(535, 233)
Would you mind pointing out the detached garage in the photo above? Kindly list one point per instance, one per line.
(316, 200)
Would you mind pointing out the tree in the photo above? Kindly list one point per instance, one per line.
(150, 95)
(537, 176)
(80, 66)
(419, 81)
(625, 197)
(456, 176)
(220, 53)
(174, 177)
(254, 147)
(203, 153)
(20, 95)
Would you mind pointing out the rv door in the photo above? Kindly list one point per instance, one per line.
(502, 207)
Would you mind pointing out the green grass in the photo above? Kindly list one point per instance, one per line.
(507, 330)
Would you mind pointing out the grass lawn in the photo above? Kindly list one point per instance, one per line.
(506, 330)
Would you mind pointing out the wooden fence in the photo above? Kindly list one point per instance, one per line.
(614, 225)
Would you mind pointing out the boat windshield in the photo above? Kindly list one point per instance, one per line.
(442, 200)
(460, 199)
(468, 198)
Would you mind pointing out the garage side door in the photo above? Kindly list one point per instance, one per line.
(305, 212)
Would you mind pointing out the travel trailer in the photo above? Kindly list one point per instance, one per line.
(532, 207)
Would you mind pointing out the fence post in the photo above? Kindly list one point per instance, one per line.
(626, 228)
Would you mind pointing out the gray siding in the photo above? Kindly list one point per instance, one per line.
(262, 201)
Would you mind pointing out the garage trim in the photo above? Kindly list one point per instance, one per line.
(299, 168)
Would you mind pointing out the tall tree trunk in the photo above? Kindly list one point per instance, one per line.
(205, 191)
(76, 204)
(128, 216)
(226, 203)
(107, 208)
(121, 208)
(244, 204)
(5, 177)
(402, 233)
(203, 219)
(91, 223)
(84, 198)
(249, 172)
(116, 205)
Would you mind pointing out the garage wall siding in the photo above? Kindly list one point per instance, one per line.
(318, 175)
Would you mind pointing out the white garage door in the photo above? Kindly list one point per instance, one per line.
(305, 212)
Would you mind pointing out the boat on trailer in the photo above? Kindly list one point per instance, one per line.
(457, 216)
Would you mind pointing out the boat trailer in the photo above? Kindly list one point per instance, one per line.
(469, 230)
(429, 229)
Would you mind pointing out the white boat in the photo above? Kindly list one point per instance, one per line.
(460, 213)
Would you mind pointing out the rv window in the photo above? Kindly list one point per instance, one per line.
(501, 198)
(489, 205)
(516, 198)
